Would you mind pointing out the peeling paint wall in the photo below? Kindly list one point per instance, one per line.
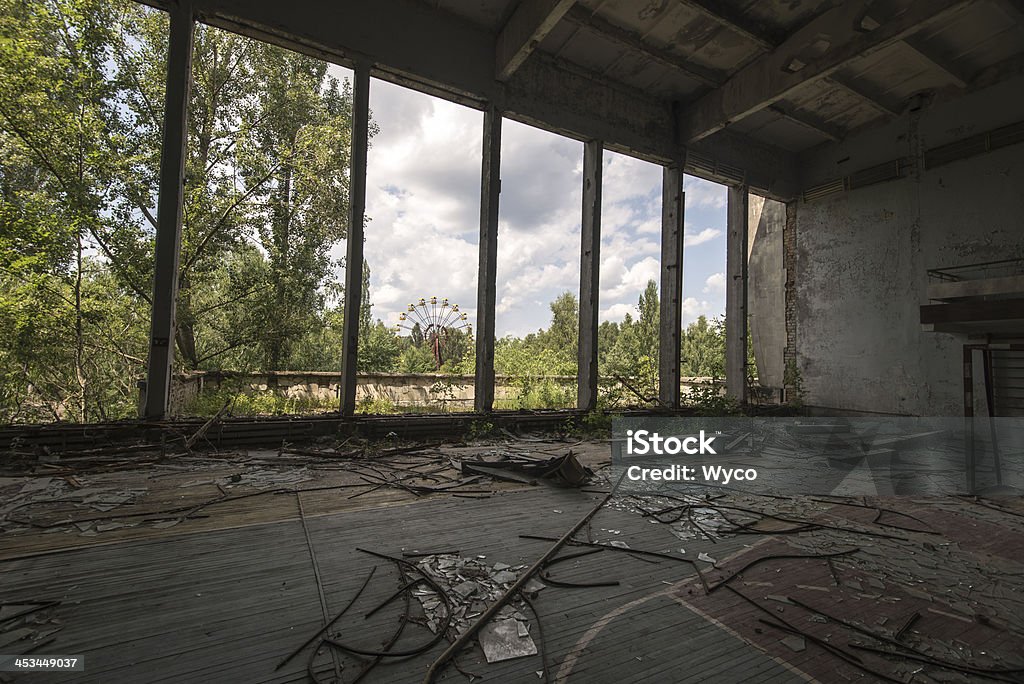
(862, 258)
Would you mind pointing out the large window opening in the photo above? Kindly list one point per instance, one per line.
(630, 281)
(702, 344)
(417, 321)
(265, 217)
(537, 311)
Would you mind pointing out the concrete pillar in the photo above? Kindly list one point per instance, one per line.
(169, 211)
(354, 242)
(590, 276)
(487, 275)
(671, 313)
(736, 295)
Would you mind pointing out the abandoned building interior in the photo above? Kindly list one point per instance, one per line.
(873, 154)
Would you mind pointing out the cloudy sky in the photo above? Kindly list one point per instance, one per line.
(423, 199)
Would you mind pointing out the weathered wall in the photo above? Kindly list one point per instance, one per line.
(766, 300)
(412, 389)
(862, 258)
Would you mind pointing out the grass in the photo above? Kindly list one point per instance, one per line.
(530, 396)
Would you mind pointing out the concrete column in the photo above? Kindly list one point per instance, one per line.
(169, 211)
(736, 295)
(671, 313)
(487, 275)
(590, 276)
(354, 241)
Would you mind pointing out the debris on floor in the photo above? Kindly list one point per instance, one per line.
(27, 626)
(889, 589)
(471, 584)
(505, 639)
(104, 491)
(564, 471)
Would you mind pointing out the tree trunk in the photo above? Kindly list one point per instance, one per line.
(79, 339)
(185, 323)
(184, 333)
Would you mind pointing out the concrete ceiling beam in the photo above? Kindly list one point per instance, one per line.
(956, 75)
(1014, 9)
(886, 109)
(734, 20)
(817, 50)
(529, 24)
(809, 121)
(627, 39)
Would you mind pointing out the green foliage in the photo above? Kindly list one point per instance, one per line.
(248, 403)
(703, 348)
(265, 200)
(709, 400)
(413, 359)
(563, 332)
(597, 423)
(543, 393)
(380, 405)
(379, 350)
(529, 368)
(533, 364)
(794, 382)
(442, 392)
(633, 353)
(480, 429)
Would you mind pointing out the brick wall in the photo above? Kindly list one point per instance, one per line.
(789, 262)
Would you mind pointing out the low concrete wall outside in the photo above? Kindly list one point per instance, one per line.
(401, 389)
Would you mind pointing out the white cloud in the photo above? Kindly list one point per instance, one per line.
(705, 194)
(694, 308)
(715, 284)
(625, 179)
(630, 281)
(692, 239)
(616, 312)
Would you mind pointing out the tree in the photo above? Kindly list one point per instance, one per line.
(563, 332)
(266, 164)
(633, 354)
(415, 359)
(648, 325)
(81, 98)
(60, 160)
(703, 348)
(380, 350)
(416, 335)
(296, 136)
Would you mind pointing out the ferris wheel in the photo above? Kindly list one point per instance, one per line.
(432, 321)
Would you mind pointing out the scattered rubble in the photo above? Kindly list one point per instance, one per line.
(472, 585)
(27, 626)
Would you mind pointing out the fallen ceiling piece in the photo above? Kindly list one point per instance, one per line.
(564, 471)
(502, 640)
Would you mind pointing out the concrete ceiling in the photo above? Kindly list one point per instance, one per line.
(742, 87)
(686, 51)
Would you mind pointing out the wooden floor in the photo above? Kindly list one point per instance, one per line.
(232, 587)
(228, 605)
